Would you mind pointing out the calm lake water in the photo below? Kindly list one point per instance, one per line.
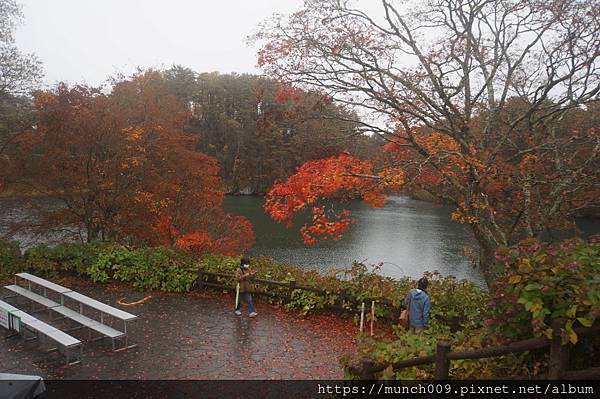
(408, 236)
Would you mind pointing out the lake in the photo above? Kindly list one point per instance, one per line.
(408, 236)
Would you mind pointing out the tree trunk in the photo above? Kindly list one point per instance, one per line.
(487, 256)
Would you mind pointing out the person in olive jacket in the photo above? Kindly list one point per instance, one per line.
(244, 277)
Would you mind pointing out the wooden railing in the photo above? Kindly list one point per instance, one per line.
(344, 302)
(557, 369)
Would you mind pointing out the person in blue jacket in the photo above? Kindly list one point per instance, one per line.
(419, 307)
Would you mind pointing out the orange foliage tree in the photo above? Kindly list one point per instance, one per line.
(124, 169)
(340, 177)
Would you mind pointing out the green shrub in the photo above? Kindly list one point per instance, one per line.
(77, 257)
(145, 268)
(109, 262)
(307, 301)
(541, 283)
(40, 261)
(11, 259)
(73, 258)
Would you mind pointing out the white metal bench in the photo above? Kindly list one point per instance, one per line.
(79, 318)
(42, 300)
(91, 324)
(82, 301)
(45, 284)
(37, 327)
(104, 309)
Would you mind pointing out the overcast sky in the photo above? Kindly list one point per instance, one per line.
(89, 40)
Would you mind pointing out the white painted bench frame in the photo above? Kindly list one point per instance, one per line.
(104, 309)
(83, 300)
(39, 328)
(85, 322)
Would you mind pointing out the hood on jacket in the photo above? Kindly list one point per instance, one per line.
(417, 294)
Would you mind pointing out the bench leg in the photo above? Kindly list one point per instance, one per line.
(11, 335)
(34, 333)
(127, 346)
(98, 338)
(74, 328)
(68, 355)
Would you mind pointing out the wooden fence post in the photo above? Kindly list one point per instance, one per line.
(442, 363)
(200, 279)
(363, 369)
(559, 353)
(292, 287)
(362, 317)
(372, 317)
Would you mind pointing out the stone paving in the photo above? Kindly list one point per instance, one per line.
(195, 336)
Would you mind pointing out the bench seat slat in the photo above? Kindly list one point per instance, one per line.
(44, 283)
(102, 307)
(26, 318)
(52, 332)
(87, 322)
(32, 295)
(73, 315)
(8, 307)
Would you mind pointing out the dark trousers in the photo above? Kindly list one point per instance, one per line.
(248, 298)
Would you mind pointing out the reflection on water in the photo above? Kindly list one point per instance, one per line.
(13, 211)
(407, 235)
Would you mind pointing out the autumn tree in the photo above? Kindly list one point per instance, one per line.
(123, 169)
(259, 130)
(476, 99)
(19, 75)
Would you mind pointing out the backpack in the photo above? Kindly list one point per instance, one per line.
(404, 321)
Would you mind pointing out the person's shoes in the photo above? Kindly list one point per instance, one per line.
(237, 312)
(253, 314)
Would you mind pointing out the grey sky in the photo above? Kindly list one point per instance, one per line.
(89, 40)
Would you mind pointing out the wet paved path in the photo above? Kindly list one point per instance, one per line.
(196, 336)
